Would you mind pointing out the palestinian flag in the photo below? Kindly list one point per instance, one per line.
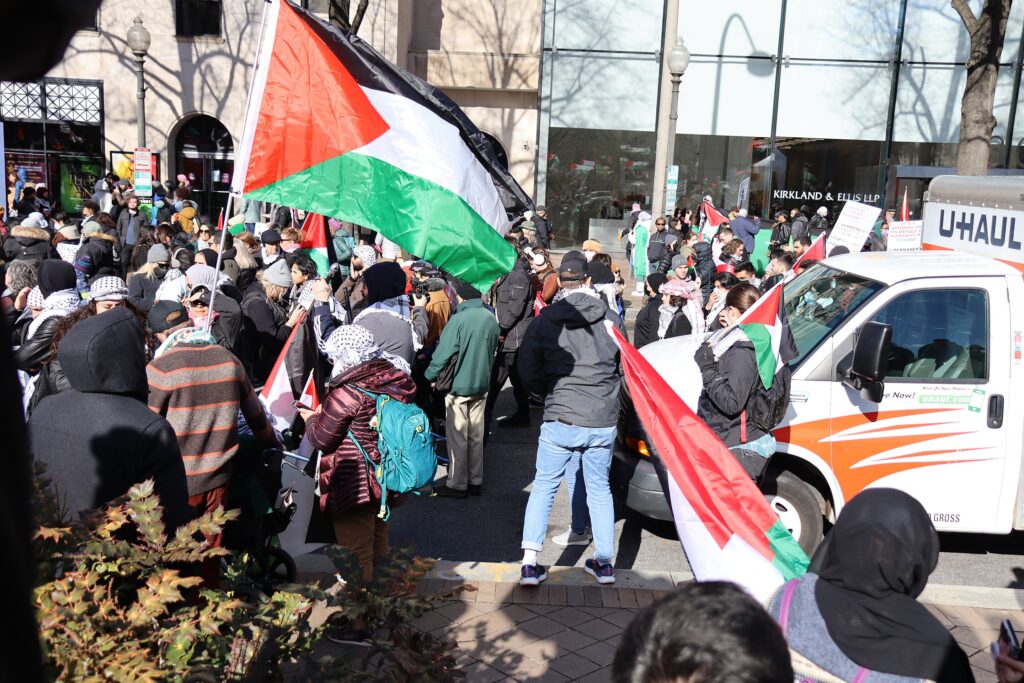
(712, 219)
(289, 379)
(333, 128)
(314, 242)
(815, 252)
(727, 529)
(766, 326)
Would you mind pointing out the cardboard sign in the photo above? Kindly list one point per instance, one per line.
(978, 230)
(852, 228)
(905, 236)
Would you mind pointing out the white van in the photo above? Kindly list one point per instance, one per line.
(936, 410)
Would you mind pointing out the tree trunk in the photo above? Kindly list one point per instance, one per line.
(337, 13)
(976, 119)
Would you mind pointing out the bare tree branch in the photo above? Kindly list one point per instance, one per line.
(966, 14)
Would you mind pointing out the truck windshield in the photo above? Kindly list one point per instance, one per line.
(819, 300)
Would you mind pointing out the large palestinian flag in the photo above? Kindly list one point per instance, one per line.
(727, 529)
(333, 128)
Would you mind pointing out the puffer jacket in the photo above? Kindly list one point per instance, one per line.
(29, 244)
(345, 481)
(95, 257)
(704, 267)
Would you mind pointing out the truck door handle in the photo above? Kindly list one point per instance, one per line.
(995, 411)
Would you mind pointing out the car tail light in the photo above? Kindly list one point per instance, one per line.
(637, 445)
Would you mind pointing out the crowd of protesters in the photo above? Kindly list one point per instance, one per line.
(143, 335)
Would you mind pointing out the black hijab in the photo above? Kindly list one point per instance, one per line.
(871, 568)
(384, 281)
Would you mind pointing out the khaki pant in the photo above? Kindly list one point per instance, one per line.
(464, 417)
(365, 534)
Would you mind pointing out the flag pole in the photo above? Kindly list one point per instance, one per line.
(220, 258)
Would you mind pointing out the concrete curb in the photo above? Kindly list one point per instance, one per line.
(978, 597)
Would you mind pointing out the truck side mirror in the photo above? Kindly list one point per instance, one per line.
(870, 358)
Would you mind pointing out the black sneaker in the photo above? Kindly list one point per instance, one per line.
(604, 573)
(532, 574)
(475, 489)
(446, 492)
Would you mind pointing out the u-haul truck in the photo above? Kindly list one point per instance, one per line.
(910, 375)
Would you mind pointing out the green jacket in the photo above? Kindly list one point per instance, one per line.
(472, 333)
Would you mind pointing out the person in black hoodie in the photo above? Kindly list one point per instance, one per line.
(645, 329)
(100, 438)
(512, 297)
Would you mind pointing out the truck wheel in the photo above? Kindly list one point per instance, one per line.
(797, 507)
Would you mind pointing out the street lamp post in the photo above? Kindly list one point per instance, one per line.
(678, 60)
(138, 43)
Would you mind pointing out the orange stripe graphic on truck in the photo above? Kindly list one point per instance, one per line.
(851, 454)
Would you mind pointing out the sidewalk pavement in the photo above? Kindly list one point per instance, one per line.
(568, 628)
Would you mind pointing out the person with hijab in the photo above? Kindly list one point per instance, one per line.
(645, 329)
(228, 321)
(855, 613)
(396, 327)
(340, 429)
(641, 234)
(680, 311)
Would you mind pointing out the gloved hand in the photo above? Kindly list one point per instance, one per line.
(705, 357)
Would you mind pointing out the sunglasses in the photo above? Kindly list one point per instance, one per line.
(204, 231)
(197, 304)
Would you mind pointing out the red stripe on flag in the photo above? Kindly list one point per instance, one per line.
(714, 483)
(815, 252)
(314, 232)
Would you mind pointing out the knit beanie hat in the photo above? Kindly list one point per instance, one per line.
(90, 228)
(278, 273)
(599, 273)
(466, 291)
(109, 288)
(158, 254)
(384, 281)
(55, 276)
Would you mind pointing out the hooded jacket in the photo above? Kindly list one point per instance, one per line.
(99, 439)
(513, 304)
(569, 357)
(645, 329)
(344, 480)
(798, 228)
(28, 244)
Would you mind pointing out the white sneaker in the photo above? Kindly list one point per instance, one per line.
(572, 538)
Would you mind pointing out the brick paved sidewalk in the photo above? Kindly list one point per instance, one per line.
(569, 627)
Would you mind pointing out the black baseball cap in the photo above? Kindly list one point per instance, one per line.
(572, 270)
(166, 314)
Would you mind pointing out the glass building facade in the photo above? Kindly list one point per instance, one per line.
(829, 100)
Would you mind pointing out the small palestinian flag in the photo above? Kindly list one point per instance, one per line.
(333, 128)
(815, 252)
(314, 242)
(766, 326)
(712, 219)
(289, 381)
(725, 525)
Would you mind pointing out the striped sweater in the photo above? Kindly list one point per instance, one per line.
(200, 389)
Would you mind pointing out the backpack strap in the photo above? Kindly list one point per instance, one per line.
(375, 470)
(788, 591)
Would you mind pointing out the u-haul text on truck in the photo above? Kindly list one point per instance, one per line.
(933, 405)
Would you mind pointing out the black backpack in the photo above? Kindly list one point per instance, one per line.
(766, 407)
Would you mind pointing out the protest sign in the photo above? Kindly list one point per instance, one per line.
(905, 236)
(852, 228)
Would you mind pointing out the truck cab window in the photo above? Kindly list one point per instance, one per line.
(819, 300)
(938, 334)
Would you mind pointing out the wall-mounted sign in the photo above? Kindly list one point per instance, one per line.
(814, 196)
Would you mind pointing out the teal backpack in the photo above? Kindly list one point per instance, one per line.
(406, 446)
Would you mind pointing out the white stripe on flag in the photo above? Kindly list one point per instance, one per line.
(736, 562)
(419, 142)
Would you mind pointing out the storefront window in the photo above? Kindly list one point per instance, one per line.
(53, 135)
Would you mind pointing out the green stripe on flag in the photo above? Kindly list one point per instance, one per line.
(424, 218)
(790, 559)
(323, 265)
(761, 338)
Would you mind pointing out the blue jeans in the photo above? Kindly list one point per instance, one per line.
(577, 494)
(559, 443)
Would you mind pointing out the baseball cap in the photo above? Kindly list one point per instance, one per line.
(572, 270)
(166, 314)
